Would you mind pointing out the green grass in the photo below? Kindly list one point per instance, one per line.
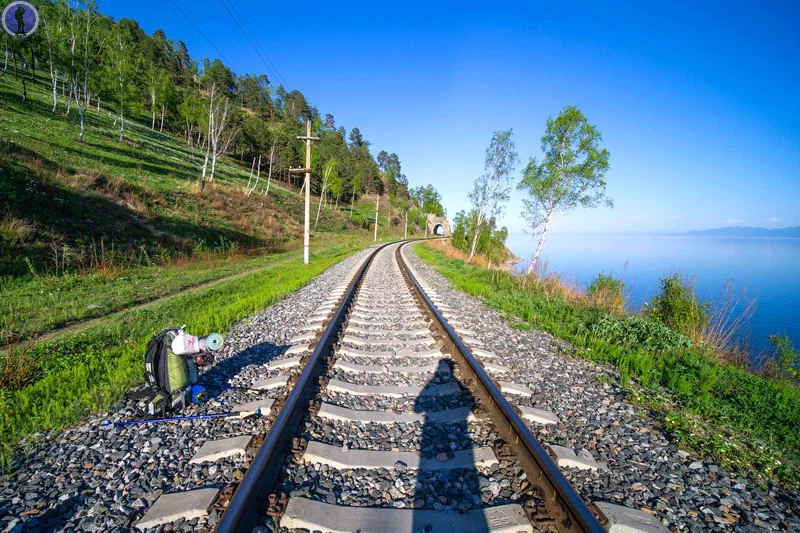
(35, 305)
(88, 229)
(85, 372)
(738, 418)
(140, 196)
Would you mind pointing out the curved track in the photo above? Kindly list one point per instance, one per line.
(395, 425)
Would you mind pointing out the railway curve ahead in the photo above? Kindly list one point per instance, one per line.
(395, 425)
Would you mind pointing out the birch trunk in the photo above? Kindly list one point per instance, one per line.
(477, 234)
(258, 175)
(250, 177)
(535, 257)
(54, 77)
(269, 175)
(83, 123)
(69, 101)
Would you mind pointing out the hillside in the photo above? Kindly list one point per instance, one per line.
(746, 231)
(89, 228)
(139, 197)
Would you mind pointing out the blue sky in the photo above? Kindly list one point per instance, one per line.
(697, 102)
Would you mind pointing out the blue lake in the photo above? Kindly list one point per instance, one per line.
(769, 268)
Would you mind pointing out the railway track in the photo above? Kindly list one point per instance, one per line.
(394, 425)
(393, 417)
(416, 425)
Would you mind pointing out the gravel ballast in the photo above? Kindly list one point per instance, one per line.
(645, 469)
(93, 478)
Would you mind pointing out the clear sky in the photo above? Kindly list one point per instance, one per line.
(698, 102)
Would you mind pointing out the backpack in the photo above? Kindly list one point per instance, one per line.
(169, 376)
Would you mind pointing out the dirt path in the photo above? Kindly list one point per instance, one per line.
(81, 325)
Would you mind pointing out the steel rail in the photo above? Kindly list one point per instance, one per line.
(565, 505)
(242, 513)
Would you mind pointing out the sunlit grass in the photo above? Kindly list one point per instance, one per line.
(703, 400)
(83, 373)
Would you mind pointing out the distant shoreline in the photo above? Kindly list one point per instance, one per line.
(691, 234)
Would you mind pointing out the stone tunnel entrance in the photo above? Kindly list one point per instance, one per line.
(437, 226)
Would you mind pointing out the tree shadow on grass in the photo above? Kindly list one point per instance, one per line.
(78, 217)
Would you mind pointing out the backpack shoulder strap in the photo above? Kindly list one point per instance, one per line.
(154, 360)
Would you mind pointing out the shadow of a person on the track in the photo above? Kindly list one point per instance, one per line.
(447, 480)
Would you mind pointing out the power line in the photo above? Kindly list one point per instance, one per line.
(258, 44)
(246, 36)
(205, 37)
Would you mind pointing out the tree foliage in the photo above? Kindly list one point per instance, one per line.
(491, 242)
(571, 173)
(491, 191)
(90, 57)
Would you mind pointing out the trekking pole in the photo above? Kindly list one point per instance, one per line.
(233, 414)
(228, 387)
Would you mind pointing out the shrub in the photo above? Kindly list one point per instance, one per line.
(788, 359)
(608, 292)
(678, 308)
(14, 230)
(638, 332)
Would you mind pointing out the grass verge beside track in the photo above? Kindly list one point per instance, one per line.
(87, 371)
(736, 418)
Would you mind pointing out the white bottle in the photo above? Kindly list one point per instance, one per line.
(185, 344)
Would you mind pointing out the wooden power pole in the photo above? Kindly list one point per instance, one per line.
(377, 203)
(308, 139)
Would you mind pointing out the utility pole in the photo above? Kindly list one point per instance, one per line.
(308, 139)
(377, 203)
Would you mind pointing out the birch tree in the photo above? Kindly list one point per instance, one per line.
(161, 91)
(220, 134)
(271, 163)
(491, 190)
(355, 185)
(570, 175)
(329, 173)
(53, 16)
(123, 63)
(337, 188)
(82, 51)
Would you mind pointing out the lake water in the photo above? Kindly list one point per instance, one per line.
(768, 268)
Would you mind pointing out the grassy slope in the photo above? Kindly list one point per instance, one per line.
(737, 418)
(133, 211)
(130, 204)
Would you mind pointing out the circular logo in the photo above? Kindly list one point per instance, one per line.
(20, 19)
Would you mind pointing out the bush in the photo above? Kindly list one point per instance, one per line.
(638, 332)
(788, 359)
(678, 308)
(608, 292)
